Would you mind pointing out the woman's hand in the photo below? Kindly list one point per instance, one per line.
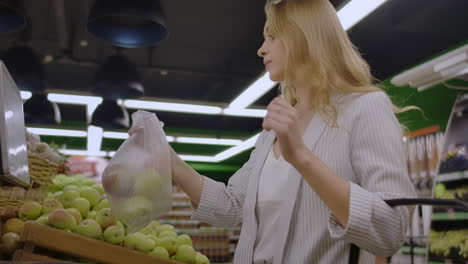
(283, 119)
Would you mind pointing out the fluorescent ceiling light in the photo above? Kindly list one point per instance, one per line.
(245, 112)
(123, 135)
(445, 67)
(249, 143)
(256, 90)
(115, 135)
(172, 107)
(57, 132)
(197, 158)
(74, 99)
(208, 141)
(94, 138)
(83, 152)
(356, 10)
(25, 95)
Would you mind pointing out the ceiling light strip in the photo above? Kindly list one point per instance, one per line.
(356, 10)
(256, 90)
(57, 132)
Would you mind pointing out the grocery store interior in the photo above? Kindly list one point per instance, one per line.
(74, 73)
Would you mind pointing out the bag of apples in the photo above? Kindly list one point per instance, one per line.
(137, 179)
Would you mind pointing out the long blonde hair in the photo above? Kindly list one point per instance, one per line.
(319, 53)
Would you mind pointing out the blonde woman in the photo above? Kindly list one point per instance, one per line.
(330, 153)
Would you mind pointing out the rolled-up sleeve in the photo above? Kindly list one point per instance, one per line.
(222, 205)
(378, 161)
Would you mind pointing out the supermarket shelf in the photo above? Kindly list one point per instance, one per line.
(416, 250)
(450, 216)
(453, 176)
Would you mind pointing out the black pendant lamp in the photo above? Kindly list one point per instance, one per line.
(117, 78)
(109, 115)
(12, 16)
(26, 68)
(38, 110)
(128, 23)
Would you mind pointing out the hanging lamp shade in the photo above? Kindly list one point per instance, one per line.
(38, 110)
(128, 23)
(12, 16)
(26, 68)
(109, 115)
(117, 78)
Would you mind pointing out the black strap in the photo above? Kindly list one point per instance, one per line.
(353, 254)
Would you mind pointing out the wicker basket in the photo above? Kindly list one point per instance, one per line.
(41, 172)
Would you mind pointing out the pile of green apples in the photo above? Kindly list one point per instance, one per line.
(78, 204)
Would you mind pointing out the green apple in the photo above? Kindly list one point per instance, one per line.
(57, 195)
(89, 228)
(150, 228)
(119, 224)
(82, 205)
(130, 241)
(201, 259)
(168, 234)
(99, 188)
(91, 215)
(76, 214)
(30, 210)
(159, 252)
(186, 254)
(104, 203)
(62, 219)
(43, 219)
(114, 235)
(71, 187)
(145, 244)
(169, 243)
(50, 204)
(165, 227)
(153, 237)
(105, 218)
(139, 242)
(136, 213)
(91, 195)
(148, 182)
(68, 196)
(184, 240)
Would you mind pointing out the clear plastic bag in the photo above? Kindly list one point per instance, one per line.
(137, 179)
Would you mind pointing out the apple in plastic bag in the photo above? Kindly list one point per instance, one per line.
(148, 182)
(136, 212)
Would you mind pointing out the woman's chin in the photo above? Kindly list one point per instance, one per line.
(276, 77)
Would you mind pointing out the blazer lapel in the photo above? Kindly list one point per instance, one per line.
(311, 136)
(251, 197)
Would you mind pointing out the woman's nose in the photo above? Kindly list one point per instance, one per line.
(262, 51)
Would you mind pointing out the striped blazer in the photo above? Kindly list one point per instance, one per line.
(366, 148)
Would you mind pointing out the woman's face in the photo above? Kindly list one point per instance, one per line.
(274, 56)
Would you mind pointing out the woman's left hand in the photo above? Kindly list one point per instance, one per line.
(284, 120)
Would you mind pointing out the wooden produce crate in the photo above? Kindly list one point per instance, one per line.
(42, 243)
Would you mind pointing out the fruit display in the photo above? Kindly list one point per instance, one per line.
(77, 204)
(443, 243)
(442, 192)
(34, 145)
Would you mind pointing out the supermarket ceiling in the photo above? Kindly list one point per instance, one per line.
(210, 56)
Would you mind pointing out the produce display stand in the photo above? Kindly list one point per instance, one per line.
(43, 243)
